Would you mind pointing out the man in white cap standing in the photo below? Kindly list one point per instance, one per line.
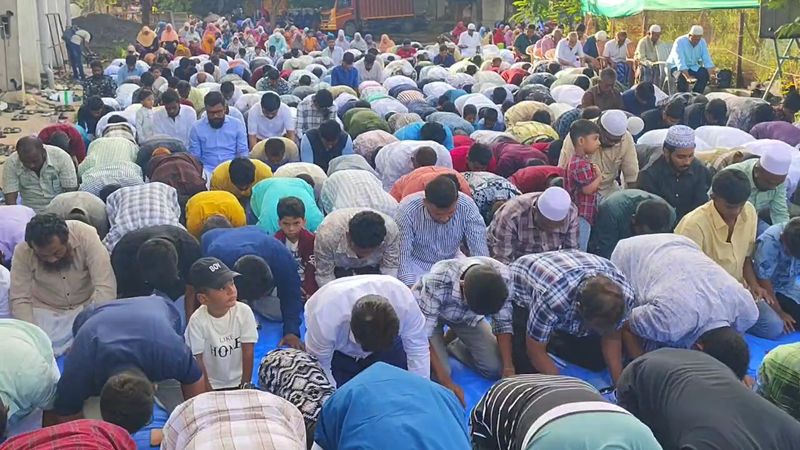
(617, 153)
(690, 61)
(533, 223)
(469, 42)
(646, 56)
(767, 176)
(571, 304)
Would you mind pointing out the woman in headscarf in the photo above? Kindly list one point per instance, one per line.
(456, 33)
(169, 38)
(84, 434)
(235, 45)
(359, 43)
(297, 40)
(279, 42)
(386, 44)
(297, 377)
(146, 41)
(184, 32)
(499, 36)
(192, 34)
(209, 42)
(370, 42)
(509, 37)
(341, 41)
(160, 28)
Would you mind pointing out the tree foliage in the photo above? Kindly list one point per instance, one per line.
(562, 11)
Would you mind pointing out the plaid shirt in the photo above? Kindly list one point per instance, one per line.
(103, 86)
(235, 419)
(107, 150)
(546, 284)
(283, 87)
(309, 116)
(779, 378)
(135, 207)
(354, 188)
(409, 96)
(123, 173)
(488, 188)
(83, 434)
(580, 173)
(439, 295)
(513, 232)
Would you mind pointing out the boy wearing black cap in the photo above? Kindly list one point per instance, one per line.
(222, 332)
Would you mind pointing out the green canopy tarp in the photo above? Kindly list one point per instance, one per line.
(625, 8)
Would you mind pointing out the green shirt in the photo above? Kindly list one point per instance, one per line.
(57, 175)
(614, 216)
(363, 121)
(597, 430)
(779, 378)
(774, 199)
(28, 374)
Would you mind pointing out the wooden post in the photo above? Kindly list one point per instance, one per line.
(644, 22)
(739, 50)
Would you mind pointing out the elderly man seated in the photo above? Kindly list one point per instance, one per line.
(569, 52)
(61, 268)
(690, 61)
(646, 56)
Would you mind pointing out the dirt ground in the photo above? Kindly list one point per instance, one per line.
(109, 34)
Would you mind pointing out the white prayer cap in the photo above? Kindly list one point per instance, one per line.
(635, 125)
(554, 203)
(655, 28)
(471, 27)
(776, 159)
(614, 122)
(696, 30)
(601, 35)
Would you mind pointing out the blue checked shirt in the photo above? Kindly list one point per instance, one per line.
(772, 262)
(439, 295)
(424, 242)
(546, 284)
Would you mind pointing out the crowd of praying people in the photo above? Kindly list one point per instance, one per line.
(514, 199)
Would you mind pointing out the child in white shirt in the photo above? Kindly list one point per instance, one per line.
(144, 115)
(222, 332)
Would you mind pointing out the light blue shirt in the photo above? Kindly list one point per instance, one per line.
(123, 73)
(772, 262)
(267, 193)
(684, 56)
(215, 146)
(411, 132)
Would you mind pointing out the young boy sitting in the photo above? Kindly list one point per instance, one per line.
(583, 177)
(222, 332)
(299, 241)
(489, 121)
(470, 114)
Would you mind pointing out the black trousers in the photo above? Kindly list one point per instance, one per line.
(341, 272)
(790, 306)
(582, 351)
(699, 86)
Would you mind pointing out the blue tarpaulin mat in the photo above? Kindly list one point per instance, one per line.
(473, 384)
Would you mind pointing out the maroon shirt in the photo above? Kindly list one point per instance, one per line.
(77, 148)
(305, 247)
(534, 178)
(511, 157)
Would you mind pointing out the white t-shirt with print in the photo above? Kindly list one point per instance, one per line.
(220, 341)
(294, 249)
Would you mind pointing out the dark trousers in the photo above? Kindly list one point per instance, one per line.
(699, 86)
(790, 306)
(341, 272)
(75, 60)
(345, 367)
(582, 351)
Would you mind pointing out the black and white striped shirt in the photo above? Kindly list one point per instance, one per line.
(504, 414)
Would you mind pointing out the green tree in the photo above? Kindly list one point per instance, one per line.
(562, 11)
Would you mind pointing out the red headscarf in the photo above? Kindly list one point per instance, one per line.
(460, 28)
(76, 435)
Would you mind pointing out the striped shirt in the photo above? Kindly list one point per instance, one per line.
(135, 207)
(108, 150)
(424, 242)
(546, 284)
(394, 160)
(514, 233)
(351, 188)
(332, 246)
(235, 419)
(487, 189)
(503, 416)
(779, 378)
(439, 295)
(123, 173)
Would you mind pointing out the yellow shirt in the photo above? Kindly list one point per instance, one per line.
(206, 204)
(221, 178)
(705, 226)
(523, 112)
(291, 153)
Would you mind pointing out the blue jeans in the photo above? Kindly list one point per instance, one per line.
(769, 324)
(344, 367)
(75, 60)
(584, 230)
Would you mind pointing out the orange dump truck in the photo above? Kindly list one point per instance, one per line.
(372, 15)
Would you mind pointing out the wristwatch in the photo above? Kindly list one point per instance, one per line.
(247, 386)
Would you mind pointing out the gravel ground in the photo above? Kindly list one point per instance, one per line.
(109, 34)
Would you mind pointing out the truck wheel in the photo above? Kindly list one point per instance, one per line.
(408, 26)
(350, 28)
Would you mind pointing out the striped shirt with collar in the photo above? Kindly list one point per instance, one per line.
(135, 207)
(352, 188)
